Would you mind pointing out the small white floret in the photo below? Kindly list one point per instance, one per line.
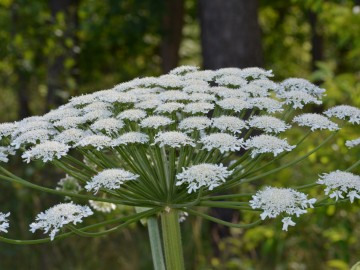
(97, 141)
(267, 144)
(46, 151)
(4, 222)
(315, 121)
(198, 107)
(222, 141)
(194, 123)
(131, 137)
(173, 139)
(353, 143)
(229, 123)
(269, 124)
(350, 113)
(156, 122)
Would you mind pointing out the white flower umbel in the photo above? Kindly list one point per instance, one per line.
(97, 114)
(346, 112)
(202, 97)
(269, 124)
(173, 95)
(183, 70)
(70, 122)
(353, 143)
(6, 129)
(203, 175)
(59, 215)
(148, 104)
(234, 104)
(339, 183)
(267, 144)
(194, 123)
(299, 98)
(198, 107)
(131, 137)
(72, 135)
(109, 179)
(255, 90)
(104, 207)
(222, 141)
(32, 137)
(231, 81)
(156, 122)
(109, 125)
(173, 139)
(315, 121)
(46, 151)
(229, 123)
(265, 103)
(275, 201)
(62, 113)
(97, 141)
(169, 107)
(298, 84)
(4, 222)
(132, 115)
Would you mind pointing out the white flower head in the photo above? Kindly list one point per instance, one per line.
(59, 215)
(194, 123)
(96, 106)
(298, 84)
(234, 104)
(131, 137)
(113, 96)
(255, 73)
(196, 87)
(299, 98)
(109, 179)
(265, 103)
(231, 81)
(254, 90)
(32, 137)
(169, 107)
(62, 113)
(97, 114)
(70, 122)
(182, 70)
(353, 143)
(345, 112)
(132, 115)
(109, 125)
(97, 141)
(46, 151)
(148, 104)
(104, 207)
(339, 183)
(265, 84)
(222, 141)
(202, 97)
(173, 139)
(4, 222)
(72, 135)
(224, 92)
(267, 123)
(201, 75)
(173, 95)
(83, 99)
(198, 107)
(203, 175)
(229, 123)
(267, 144)
(315, 121)
(6, 129)
(156, 122)
(275, 201)
(170, 81)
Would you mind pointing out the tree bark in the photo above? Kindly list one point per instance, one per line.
(173, 22)
(316, 40)
(56, 77)
(230, 33)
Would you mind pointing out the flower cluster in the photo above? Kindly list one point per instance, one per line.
(4, 222)
(56, 217)
(339, 183)
(275, 201)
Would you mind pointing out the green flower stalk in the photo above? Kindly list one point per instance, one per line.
(172, 144)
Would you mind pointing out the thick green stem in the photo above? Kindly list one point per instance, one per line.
(155, 242)
(172, 240)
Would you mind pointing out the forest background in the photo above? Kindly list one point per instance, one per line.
(51, 50)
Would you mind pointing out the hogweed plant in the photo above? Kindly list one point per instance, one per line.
(172, 146)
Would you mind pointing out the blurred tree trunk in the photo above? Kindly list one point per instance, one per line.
(230, 37)
(173, 22)
(67, 48)
(23, 75)
(230, 33)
